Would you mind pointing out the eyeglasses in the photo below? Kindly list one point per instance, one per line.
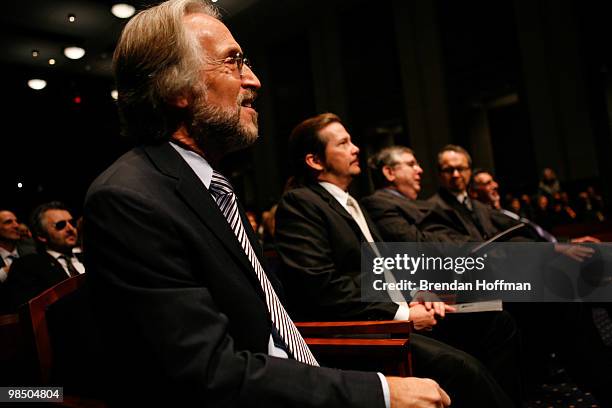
(239, 59)
(451, 170)
(60, 225)
(412, 163)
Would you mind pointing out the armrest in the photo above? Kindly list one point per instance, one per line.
(399, 328)
(389, 355)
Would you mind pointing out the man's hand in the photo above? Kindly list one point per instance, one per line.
(421, 318)
(412, 392)
(578, 253)
(440, 308)
(586, 238)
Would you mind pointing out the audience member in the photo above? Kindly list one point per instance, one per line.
(185, 307)
(549, 184)
(394, 206)
(56, 236)
(319, 231)
(9, 238)
(452, 211)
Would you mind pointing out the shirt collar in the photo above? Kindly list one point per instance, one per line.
(198, 164)
(56, 254)
(461, 196)
(340, 195)
(4, 253)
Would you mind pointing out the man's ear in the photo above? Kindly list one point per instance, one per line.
(313, 162)
(388, 173)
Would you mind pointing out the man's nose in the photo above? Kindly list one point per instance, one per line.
(249, 79)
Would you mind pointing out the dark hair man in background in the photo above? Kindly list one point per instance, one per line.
(320, 229)
(185, 306)
(9, 238)
(452, 212)
(55, 234)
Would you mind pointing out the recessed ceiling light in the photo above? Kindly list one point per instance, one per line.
(71, 18)
(34, 53)
(51, 61)
(37, 84)
(114, 94)
(74, 52)
(19, 185)
(123, 10)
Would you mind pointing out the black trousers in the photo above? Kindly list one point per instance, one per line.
(466, 380)
(491, 337)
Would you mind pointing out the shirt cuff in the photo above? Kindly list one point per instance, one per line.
(403, 312)
(3, 274)
(385, 390)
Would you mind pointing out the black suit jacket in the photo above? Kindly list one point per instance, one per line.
(30, 275)
(397, 217)
(183, 315)
(449, 218)
(319, 244)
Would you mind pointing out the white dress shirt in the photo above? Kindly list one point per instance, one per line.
(80, 268)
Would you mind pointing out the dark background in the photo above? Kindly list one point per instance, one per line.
(521, 84)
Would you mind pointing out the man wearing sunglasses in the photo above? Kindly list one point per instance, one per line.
(56, 236)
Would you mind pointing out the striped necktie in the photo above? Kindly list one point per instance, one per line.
(222, 192)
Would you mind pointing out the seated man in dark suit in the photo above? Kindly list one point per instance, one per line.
(319, 232)
(452, 212)
(394, 206)
(55, 233)
(12, 246)
(186, 308)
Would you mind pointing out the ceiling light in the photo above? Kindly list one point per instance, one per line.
(34, 53)
(74, 52)
(51, 61)
(123, 10)
(37, 84)
(19, 185)
(71, 18)
(114, 94)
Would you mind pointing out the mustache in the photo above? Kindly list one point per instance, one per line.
(249, 95)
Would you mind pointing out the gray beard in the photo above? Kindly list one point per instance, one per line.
(217, 131)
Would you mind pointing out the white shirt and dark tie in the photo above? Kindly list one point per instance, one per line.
(71, 264)
(7, 259)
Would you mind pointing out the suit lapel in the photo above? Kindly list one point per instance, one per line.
(337, 207)
(458, 212)
(190, 188)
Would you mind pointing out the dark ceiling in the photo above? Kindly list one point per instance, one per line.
(43, 25)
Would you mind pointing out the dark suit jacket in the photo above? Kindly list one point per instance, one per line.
(396, 217)
(451, 219)
(319, 244)
(182, 311)
(30, 275)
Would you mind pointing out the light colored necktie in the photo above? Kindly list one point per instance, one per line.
(357, 215)
(359, 218)
(224, 196)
